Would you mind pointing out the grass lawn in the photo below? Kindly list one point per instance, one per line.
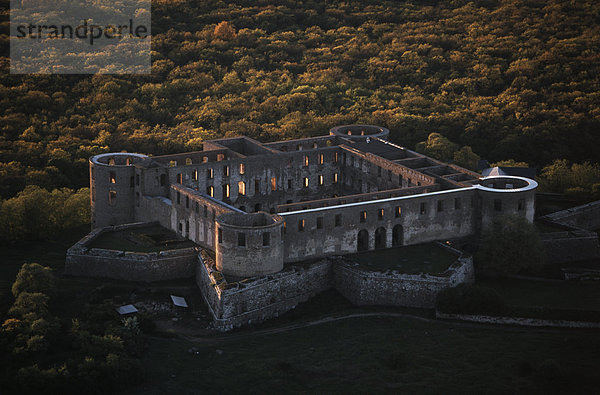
(560, 294)
(368, 355)
(152, 238)
(421, 258)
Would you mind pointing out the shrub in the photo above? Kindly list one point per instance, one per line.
(509, 245)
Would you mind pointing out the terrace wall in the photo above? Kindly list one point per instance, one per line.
(363, 287)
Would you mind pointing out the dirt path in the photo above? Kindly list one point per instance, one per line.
(290, 327)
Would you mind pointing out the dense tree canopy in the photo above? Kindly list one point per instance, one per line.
(511, 79)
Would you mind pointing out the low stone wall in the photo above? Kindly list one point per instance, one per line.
(364, 287)
(521, 321)
(125, 265)
(576, 245)
(586, 216)
(259, 298)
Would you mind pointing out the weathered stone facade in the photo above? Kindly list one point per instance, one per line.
(125, 265)
(264, 207)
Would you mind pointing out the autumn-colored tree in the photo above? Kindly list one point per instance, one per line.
(224, 31)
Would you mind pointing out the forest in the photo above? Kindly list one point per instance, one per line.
(501, 80)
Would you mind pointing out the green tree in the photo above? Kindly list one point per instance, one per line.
(509, 245)
(466, 158)
(438, 147)
(34, 277)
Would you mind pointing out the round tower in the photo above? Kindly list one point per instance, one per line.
(249, 244)
(506, 195)
(360, 132)
(112, 188)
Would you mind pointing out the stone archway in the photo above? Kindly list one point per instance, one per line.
(397, 236)
(380, 238)
(362, 242)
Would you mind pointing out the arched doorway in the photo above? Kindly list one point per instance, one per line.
(362, 241)
(397, 235)
(380, 238)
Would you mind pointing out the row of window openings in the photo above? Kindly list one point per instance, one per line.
(196, 204)
(189, 161)
(300, 147)
(266, 238)
(226, 189)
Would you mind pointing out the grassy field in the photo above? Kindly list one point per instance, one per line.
(367, 355)
(552, 294)
(421, 258)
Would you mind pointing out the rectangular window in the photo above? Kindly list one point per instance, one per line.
(397, 211)
(241, 239)
(220, 235)
(301, 225)
(257, 187)
(225, 171)
(335, 157)
(113, 177)
(290, 183)
(338, 220)
(195, 175)
(363, 216)
(440, 205)
(305, 160)
(241, 188)
(273, 184)
(187, 201)
(220, 157)
(112, 198)
(242, 168)
(266, 239)
(497, 205)
(521, 205)
(423, 210)
(319, 222)
(205, 159)
(205, 212)
(457, 203)
(380, 214)
(225, 190)
(321, 159)
(197, 208)
(305, 182)
(335, 178)
(178, 197)
(320, 180)
(180, 178)
(210, 173)
(210, 191)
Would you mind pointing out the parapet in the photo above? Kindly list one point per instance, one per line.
(360, 132)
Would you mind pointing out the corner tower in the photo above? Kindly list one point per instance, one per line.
(112, 188)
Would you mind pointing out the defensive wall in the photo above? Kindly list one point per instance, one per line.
(251, 300)
(579, 239)
(127, 265)
(364, 287)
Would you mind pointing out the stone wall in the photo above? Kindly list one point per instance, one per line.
(259, 298)
(133, 266)
(364, 287)
(584, 217)
(575, 245)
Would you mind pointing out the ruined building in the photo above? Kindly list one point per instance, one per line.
(262, 206)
